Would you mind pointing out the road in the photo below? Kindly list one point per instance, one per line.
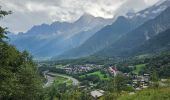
(51, 79)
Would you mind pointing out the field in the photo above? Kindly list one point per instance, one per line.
(61, 80)
(99, 74)
(149, 94)
(59, 66)
(138, 68)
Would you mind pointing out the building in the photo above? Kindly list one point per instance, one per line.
(97, 93)
(113, 70)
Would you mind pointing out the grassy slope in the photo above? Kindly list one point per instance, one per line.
(59, 66)
(139, 68)
(98, 73)
(149, 94)
(62, 80)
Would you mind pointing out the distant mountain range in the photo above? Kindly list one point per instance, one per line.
(135, 33)
(152, 11)
(140, 35)
(109, 39)
(45, 40)
(102, 38)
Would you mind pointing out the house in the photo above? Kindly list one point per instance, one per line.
(97, 93)
(113, 70)
(141, 82)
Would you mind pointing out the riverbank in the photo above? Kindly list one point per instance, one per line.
(51, 77)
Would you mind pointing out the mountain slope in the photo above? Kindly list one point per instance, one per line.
(152, 11)
(110, 34)
(101, 39)
(138, 36)
(50, 40)
(160, 42)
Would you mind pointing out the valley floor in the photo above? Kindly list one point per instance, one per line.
(51, 77)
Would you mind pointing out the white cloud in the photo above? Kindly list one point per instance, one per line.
(32, 12)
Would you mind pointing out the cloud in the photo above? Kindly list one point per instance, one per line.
(27, 13)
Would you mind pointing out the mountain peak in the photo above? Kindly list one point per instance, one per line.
(86, 16)
(121, 19)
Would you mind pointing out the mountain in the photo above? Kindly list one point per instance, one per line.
(160, 42)
(152, 11)
(50, 40)
(111, 33)
(137, 37)
(101, 39)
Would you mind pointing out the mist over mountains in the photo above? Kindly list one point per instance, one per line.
(109, 39)
(45, 41)
(91, 35)
(140, 35)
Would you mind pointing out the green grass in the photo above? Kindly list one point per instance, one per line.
(148, 94)
(98, 73)
(62, 80)
(139, 68)
(143, 56)
(59, 66)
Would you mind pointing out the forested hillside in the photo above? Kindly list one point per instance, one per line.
(137, 37)
(159, 43)
(19, 78)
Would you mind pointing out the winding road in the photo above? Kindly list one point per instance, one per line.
(48, 75)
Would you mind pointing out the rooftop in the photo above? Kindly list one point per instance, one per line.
(97, 93)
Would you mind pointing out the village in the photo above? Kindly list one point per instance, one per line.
(138, 82)
(83, 72)
(76, 69)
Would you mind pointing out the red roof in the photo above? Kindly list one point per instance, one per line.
(114, 68)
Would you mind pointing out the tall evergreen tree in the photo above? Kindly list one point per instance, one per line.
(19, 79)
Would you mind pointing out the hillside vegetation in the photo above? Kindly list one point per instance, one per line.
(148, 94)
(19, 78)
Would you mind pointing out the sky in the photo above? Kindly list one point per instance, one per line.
(27, 13)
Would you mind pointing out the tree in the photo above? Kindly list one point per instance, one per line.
(19, 78)
(119, 82)
(154, 76)
(2, 30)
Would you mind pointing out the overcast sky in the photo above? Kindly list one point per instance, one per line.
(27, 13)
